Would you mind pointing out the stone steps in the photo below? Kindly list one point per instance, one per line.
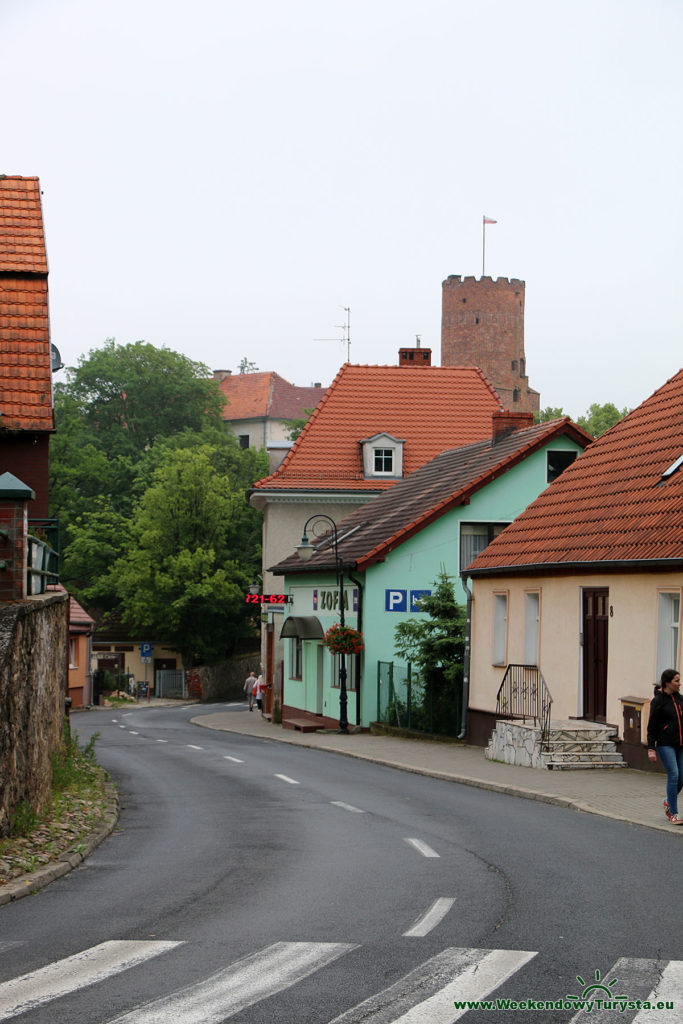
(569, 748)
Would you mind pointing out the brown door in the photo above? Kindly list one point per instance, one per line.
(595, 631)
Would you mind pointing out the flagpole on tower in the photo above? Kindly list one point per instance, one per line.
(485, 220)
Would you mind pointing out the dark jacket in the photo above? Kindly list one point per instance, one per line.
(665, 725)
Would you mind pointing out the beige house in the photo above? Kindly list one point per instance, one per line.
(586, 584)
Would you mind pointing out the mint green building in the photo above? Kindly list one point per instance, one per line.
(392, 549)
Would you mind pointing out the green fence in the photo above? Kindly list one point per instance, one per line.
(406, 701)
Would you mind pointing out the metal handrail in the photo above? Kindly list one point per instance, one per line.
(524, 694)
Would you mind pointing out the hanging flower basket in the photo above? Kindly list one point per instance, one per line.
(343, 640)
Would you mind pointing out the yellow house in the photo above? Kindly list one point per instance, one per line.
(585, 585)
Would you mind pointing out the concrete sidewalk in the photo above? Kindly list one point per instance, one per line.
(620, 793)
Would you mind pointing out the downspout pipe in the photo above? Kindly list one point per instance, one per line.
(359, 621)
(466, 665)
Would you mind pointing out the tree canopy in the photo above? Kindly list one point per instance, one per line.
(149, 483)
(597, 420)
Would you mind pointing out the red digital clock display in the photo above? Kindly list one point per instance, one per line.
(265, 598)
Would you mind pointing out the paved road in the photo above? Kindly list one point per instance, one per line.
(257, 882)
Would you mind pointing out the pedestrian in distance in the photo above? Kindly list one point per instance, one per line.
(665, 738)
(249, 685)
(260, 691)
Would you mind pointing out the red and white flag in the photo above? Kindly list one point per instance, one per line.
(487, 220)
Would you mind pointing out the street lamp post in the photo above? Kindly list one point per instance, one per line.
(305, 550)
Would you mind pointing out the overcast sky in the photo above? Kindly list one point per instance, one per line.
(224, 177)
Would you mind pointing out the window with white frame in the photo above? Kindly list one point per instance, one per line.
(295, 657)
(500, 628)
(72, 653)
(474, 537)
(668, 627)
(351, 674)
(532, 618)
(384, 460)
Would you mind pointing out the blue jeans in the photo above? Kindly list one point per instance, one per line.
(672, 759)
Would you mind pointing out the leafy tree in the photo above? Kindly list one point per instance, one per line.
(297, 424)
(547, 414)
(182, 576)
(435, 644)
(600, 418)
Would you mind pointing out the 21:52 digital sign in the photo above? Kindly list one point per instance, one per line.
(266, 599)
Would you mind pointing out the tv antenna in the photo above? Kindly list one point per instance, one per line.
(346, 336)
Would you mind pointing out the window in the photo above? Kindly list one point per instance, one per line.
(532, 611)
(72, 653)
(668, 626)
(474, 537)
(351, 674)
(500, 628)
(243, 440)
(384, 460)
(557, 462)
(296, 657)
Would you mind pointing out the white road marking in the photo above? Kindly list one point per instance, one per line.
(422, 848)
(75, 972)
(244, 983)
(650, 981)
(235, 759)
(192, 746)
(133, 733)
(286, 778)
(431, 917)
(162, 741)
(455, 974)
(347, 807)
(122, 727)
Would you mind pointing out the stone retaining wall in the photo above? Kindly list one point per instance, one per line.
(33, 653)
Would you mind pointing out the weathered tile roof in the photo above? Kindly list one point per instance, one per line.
(260, 395)
(431, 407)
(612, 506)
(370, 532)
(22, 245)
(25, 377)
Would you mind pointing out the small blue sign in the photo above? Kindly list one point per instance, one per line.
(395, 600)
(415, 598)
(146, 649)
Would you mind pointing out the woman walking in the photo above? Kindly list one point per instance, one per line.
(665, 737)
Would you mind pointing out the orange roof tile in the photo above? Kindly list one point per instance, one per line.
(25, 376)
(612, 506)
(259, 395)
(433, 408)
(22, 244)
(370, 532)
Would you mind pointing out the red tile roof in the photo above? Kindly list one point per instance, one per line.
(25, 377)
(370, 532)
(431, 407)
(259, 395)
(612, 506)
(22, 245)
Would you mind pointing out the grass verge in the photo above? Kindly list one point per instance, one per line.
(77, 805)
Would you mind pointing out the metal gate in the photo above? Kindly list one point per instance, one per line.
(171, 683)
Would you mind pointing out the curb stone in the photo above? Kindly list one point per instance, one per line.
(27, 885)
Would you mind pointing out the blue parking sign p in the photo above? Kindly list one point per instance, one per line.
(395, 601)
(146, 649)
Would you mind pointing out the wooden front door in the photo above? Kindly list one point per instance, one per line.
(595, 635)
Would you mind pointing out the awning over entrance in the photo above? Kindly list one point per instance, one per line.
(305, 626)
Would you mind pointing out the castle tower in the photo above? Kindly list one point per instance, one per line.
(482, 324)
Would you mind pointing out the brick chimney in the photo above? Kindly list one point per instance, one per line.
(505, 423)
(415, 356)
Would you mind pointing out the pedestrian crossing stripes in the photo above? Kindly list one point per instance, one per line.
(440, 990)
(74, 972)
(241, 985)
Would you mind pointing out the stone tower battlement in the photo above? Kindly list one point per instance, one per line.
(482, 324)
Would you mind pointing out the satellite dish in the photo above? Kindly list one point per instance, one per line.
(55, 359)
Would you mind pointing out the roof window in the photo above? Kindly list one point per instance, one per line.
(672, 468)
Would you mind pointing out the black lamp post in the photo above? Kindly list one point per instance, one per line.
(305, 550)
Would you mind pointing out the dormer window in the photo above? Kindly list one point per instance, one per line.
(382, 456)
